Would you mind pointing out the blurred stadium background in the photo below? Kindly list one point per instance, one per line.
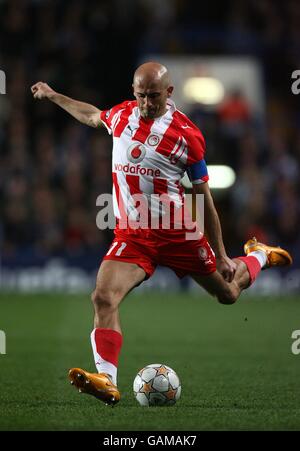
(236, 364)
(52, 168)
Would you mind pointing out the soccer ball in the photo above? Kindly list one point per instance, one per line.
(157, 385)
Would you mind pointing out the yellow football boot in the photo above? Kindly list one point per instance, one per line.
(96, 384)
(275, 255)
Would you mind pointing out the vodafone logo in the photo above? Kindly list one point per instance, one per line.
(136, 152)
(137, 170)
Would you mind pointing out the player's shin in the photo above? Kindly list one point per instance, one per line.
(106, 344)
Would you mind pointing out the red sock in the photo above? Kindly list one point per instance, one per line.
(253, 267)
(106, 345)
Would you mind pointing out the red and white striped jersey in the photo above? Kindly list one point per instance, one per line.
(151, 156)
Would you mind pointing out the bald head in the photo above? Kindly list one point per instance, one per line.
(153, 73)
(152, 87)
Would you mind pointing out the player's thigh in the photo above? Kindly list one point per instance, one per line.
(116, 279)
(215, 284)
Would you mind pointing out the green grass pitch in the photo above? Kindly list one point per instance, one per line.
(235, 363)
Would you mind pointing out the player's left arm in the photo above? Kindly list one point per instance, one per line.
(213, 231)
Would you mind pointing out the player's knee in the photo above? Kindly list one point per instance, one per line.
(227, 297)
(104, 299)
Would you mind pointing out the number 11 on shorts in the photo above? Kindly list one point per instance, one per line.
(119, 251)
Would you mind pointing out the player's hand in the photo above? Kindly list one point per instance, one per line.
(41, 90)
(226, 267)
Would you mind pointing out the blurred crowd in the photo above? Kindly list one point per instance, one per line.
(52, 168)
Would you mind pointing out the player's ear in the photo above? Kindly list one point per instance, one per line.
(170, 90)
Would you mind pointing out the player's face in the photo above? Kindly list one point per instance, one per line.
(151, 99)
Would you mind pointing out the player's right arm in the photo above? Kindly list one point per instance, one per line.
(83, 112)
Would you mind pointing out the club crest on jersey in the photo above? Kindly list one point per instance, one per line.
(153, 140)
(203, 254)
(136, 152)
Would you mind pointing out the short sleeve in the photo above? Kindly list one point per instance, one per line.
(106, 118)
(110, 117)
(196, 146)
